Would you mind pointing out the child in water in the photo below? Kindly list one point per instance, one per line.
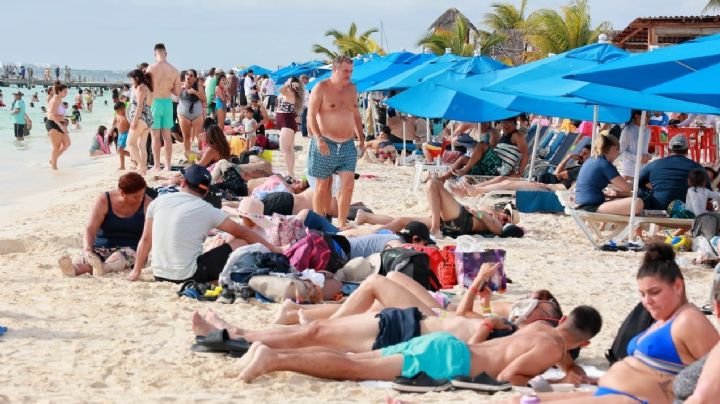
(99, 146)
(123, 126)
(75, 118)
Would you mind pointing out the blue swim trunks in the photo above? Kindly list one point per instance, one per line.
(342, 157)
(440, 355)
(122, 140)
(162, 113)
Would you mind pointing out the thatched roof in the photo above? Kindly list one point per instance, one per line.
(447, 20)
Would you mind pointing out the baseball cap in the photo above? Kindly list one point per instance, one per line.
(678, 143)
(418, 229)
(197, 176)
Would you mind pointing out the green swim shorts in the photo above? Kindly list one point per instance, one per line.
(440, 355)
(162, 112)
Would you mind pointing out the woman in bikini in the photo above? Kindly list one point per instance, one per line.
(681, 335)
(55, 124)
(190, 108)
(289, 103)
(217, 147)
(140, 118)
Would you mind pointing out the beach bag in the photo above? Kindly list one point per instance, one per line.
(285, 230)
(233, 182)
(677, 210)
(446, 273)
(279, 288)
(636, 322)
(468, 263)
(318, 251)
(412, 263)
(435, 257)
(237, 145)
(707, 225)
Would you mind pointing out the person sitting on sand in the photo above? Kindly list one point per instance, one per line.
(447, 216)
(176, 226)
(561, 179)
(216, 147)
(509, 157)
(113, 232)
(99, 145)
(516, 358)
(680, 336)
(596, 173)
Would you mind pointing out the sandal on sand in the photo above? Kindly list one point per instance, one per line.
(420, 383)
(482, 382)
(219, 341)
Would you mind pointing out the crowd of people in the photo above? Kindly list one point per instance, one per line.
(402, 330)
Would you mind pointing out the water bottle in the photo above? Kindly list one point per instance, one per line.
(530, 399)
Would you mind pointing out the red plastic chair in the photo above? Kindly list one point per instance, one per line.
(656, 141)
(708, 145)
(692, 135)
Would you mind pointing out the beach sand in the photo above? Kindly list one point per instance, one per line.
(105, 339)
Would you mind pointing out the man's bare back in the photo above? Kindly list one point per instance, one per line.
(336, 111)
(165, 79)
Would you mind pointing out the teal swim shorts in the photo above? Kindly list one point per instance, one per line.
(162, 112)
(440, 355)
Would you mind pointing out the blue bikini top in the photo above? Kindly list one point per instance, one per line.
(657, 349)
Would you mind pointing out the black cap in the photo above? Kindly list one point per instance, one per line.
(197, 176)
(419, 230)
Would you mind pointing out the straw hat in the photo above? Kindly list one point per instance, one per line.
(252, 209)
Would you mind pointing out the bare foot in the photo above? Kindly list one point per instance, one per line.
(66, 265)
(258, 364)
(219, 323)
(249, 355)
(303, 317)
(287, 315)
(98, 268)
(200, 326)
(361, 217)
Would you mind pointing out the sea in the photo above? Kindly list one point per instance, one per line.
(24, 166)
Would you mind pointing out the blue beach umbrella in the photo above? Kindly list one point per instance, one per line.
(701, 86)
(641, 71)
(396, 67)
(258, 70)
(418, 74)
(430, 100)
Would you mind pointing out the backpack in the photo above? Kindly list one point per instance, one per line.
(442, 262)
(233, 183)
(314, 251)
(636, 322)
(707, 225)
(414, 264)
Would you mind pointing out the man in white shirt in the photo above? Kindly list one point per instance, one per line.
(270, 92)
(176, 225)
(249, 84)
(629, 140)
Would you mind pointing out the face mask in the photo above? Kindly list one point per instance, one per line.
(520, 311)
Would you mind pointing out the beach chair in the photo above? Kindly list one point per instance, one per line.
(571, 149)
(590, 222)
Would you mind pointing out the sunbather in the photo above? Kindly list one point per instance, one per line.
(562, 178)
(516, 358)
(681, 335)
(447, 216)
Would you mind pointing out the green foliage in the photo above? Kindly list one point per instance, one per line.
(349, 43)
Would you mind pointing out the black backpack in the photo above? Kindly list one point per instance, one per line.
(636, 322)
(337, 260)
(415, 264)
(707, 225)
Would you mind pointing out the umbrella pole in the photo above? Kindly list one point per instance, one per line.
(636, 178)
(404, 157)
(596, 111)
(534, 149)
(427, 128)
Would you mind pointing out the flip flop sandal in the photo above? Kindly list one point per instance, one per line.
(420, 383)
(219, 342)
(482, 382)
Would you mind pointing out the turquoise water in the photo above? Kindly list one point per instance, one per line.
(24, 165)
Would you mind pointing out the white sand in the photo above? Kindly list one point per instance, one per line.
(100, 340)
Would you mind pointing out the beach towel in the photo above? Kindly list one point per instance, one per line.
(537, 201)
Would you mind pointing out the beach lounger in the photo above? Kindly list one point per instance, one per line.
(589, 222)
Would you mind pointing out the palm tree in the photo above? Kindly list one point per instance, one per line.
(551, 32)
(506, 16)
(349, 43)
(711, 6)
(458, 40)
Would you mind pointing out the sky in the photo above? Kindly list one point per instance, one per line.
(117, 35)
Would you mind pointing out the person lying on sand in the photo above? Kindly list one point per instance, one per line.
(447, 216)
(516, 358)
(113, 232)
(561, 179)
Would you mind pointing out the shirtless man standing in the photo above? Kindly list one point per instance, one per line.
(166, 82)
(333, 118)
(516, 358)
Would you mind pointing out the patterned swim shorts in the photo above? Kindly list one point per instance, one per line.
(342, 157)
(105, 252)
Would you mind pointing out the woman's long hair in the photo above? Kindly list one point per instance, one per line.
(299, 92)
(141, 77)
(217, 140)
